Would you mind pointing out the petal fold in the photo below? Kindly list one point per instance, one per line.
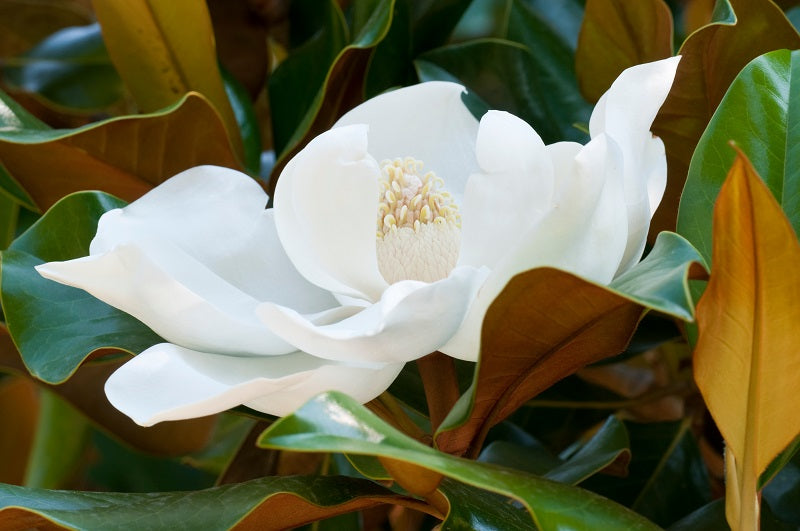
(168, 382)
(512, 191)
(411, 319)
(326, 206)
(428, 121)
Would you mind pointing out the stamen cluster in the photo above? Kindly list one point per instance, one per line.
(410, 199)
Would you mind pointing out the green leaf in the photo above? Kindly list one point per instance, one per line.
(341, 89)
(70, 68)
(667, 476)
(546, 324)
(292, 501)
(333, 422)
(472, 508)
(249, 127)
(609, 444)
(57, 327)
(760, 113)
(510, 77)
(712, 56)
(710, 517)
(783, 491)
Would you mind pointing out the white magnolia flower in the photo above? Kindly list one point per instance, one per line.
(269, 307)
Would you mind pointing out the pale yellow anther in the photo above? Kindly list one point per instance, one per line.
(425, 214)
(389, 197)
(396, 187)
(415, 202)
(403, 214)
(389, 221)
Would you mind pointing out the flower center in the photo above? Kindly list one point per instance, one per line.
(419, 226)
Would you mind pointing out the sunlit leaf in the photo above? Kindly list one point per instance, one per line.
(333, 422)
(712, 57)
(546, 324)
(123, 156)
(745, 361)
(162, 50)
(761, 114)
(70, 69)
(268, 503)
(617, 34)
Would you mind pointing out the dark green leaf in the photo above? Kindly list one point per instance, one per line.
(475, 509)
(760, 113)
(54, 326)
(248, 121)
(333, 422)
(509, 76)
(667, 478)
(70, 68)
(291, 500)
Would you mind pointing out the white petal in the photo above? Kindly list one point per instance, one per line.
(167, 382)
(625, 113)
(429, 122)
(512, 191)
(326, 205)
(412, 319)
(174, 295)
(584, 233)
(217, 217)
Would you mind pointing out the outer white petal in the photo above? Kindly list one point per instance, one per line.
(584, 233)
(625, 113)
(412, 319)
(512, 191)
(167, 382)
(174, 295)
(429, 122)
(326, 204)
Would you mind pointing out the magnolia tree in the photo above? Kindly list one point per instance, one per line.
(383, 264)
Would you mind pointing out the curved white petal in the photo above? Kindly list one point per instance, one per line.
(215, 216)
(174, 295)
(412, 319)
(168, 382)
(326, 205)
(584, 232)
(429, 122)
(513, 190)
(625, 113)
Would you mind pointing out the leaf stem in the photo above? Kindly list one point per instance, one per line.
(439, 379)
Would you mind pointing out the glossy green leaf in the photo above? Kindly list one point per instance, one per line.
(712, 56)
(70, 68)
(667, 476)
(710, 517)
(249, 127)
(609, 444)
(266, 503)
(509, 76)
(476, 509)
(56, 327)
(783, 491)
(333, 422)
(761, 114)
(546, 324)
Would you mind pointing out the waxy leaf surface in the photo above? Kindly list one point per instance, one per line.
(711, 58)
(761, 114)
(747, 362)
(271, 503)
(333, 422)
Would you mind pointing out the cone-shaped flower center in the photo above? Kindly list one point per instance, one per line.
(419, 226)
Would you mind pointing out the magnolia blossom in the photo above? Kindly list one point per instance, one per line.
(390, 236)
